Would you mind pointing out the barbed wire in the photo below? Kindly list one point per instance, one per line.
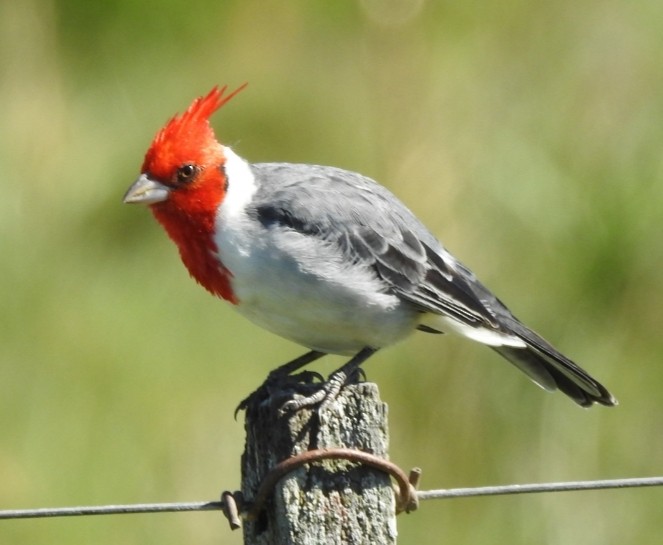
(449, 493)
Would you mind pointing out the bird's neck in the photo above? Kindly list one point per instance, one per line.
(195, 241)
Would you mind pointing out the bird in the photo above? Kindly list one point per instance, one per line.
(325, 257)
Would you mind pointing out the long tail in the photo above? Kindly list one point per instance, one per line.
(552, 370)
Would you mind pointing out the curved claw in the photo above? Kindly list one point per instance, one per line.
(276, 383)
(281, 379)
(280, 375)
(328, 392)
(307, 377)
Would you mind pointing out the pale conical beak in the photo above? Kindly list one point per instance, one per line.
(146, 191)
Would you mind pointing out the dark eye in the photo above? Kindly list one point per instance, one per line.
(186, 173)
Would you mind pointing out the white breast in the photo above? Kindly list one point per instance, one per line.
(299, 286)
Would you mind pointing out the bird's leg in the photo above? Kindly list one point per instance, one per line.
(331, 388)
(289, 368)
(277, 375)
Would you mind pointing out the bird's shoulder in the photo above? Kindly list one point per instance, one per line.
(321, 199)
(361, 216)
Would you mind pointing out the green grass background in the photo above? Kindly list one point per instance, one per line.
(526, 135)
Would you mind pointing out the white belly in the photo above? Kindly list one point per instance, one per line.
(315, 299)
(326, 317)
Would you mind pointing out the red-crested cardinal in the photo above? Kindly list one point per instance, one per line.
(325, 257)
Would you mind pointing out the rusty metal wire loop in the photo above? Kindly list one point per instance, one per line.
(406, 497)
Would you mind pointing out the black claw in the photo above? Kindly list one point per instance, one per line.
(274, 384)
(282, 381)
(279, 377)
(308, 377)
(359, 375)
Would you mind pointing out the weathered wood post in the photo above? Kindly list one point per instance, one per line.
(332, 501)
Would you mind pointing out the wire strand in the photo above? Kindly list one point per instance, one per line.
(570, 486)
(449, 493)
(111, 510)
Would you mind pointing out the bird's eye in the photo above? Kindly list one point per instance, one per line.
(186, 173)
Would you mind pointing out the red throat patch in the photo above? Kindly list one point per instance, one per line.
(189, 212)
(194, 237)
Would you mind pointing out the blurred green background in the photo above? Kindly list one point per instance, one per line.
(526, 135)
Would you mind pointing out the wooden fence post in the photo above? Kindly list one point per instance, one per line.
(332, 501)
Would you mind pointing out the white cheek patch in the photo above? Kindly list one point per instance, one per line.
(241, 184)
(233, 229)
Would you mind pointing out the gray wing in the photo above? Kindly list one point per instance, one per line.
(369, 225)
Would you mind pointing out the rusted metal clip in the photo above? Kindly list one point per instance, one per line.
(231, 507)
